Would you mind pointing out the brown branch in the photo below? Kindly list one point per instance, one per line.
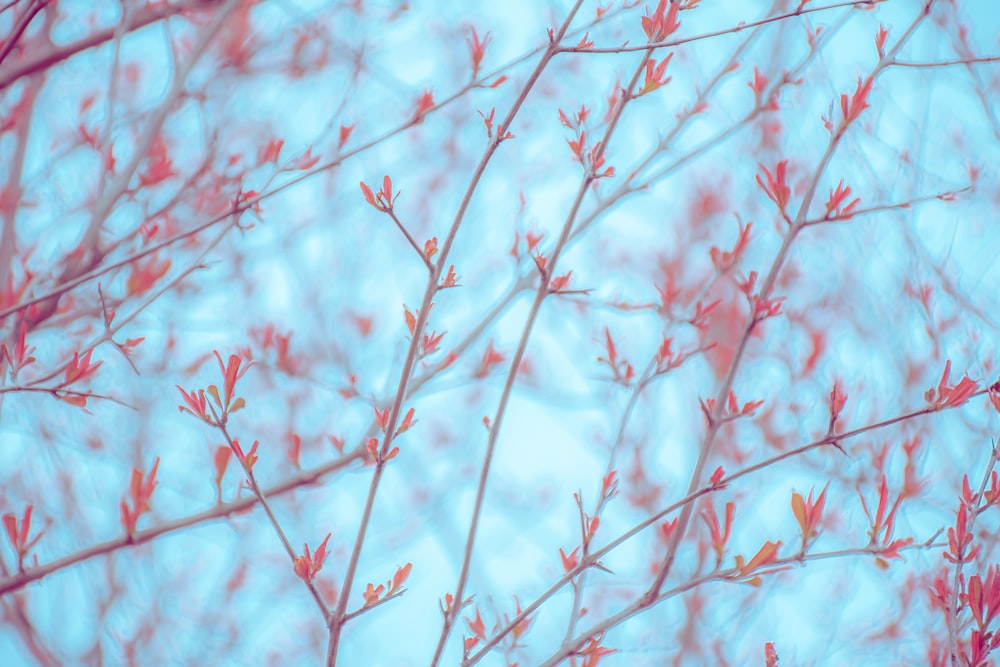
(730, 575)
(272, 519)
(739, 27)
(223, 510)
(946, 63)
(140, 18)
(339, 616)
(765, 288)
(832, 439)
(940, 196)
(20, 25)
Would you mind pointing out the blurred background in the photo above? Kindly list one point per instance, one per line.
(126, 125)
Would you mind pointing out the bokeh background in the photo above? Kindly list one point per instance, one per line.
(313, 287)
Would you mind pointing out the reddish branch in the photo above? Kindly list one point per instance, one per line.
(40, 61)
(765, 290)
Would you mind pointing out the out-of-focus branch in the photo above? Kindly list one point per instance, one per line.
(140, 18)
(303, 479)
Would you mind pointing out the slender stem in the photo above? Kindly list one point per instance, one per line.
(731, 575)
(339, 616)
(257, 491)
(219, 511)
(801, 10)
(420, 252)
(451, 615)
(766, 288)
(831, 439)
(947, 63)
